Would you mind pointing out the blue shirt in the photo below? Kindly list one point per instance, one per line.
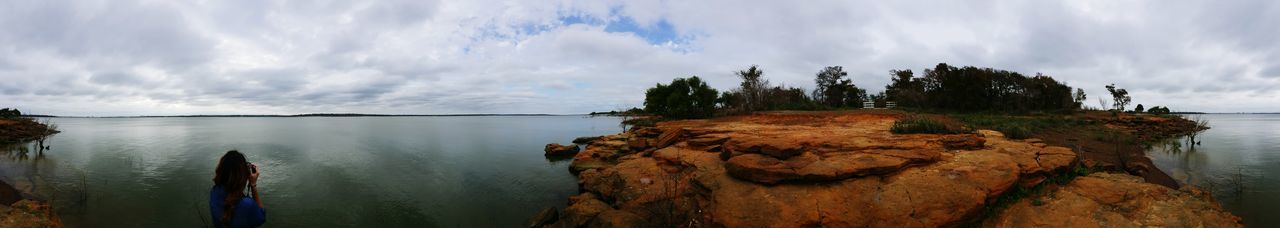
(247, 212)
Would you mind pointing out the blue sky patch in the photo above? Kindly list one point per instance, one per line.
(658, 33)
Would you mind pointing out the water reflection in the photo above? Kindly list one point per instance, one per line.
(19, 164)
(1186, 161)
(319, 172)
(1183, 160)
(23, 151)
(1237, 161)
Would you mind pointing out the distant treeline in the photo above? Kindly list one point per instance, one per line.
(943, 88)
(332, 115)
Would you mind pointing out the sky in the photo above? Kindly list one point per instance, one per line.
(129, 57)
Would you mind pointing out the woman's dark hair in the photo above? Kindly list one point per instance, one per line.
(232, 174)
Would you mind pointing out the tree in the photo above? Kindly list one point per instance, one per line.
(10, 113)
(1120, 96)
(1138, 109)
(787, 98)
(834, 90)
(1079, 98)
(683, 98)
(877, 99)
(828, 91)
(729, 100)
(1158, 110)
(752, 88)
(854, 96)
(979, 89)
(905, 89)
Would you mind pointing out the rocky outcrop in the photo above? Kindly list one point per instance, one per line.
(557, 150)
(1116, 200)
(582, 211)
(1145, 128)
(800, 169)
(23, 129)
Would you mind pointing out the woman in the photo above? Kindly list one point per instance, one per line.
(228, 204)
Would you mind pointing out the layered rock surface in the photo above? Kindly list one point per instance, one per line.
(1116, 200)
(799, 169)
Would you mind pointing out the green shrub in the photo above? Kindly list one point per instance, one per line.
(643, 122)
(1014, 131)
(1018, 127)
(10, 113)
(917, 124)
(683, 98)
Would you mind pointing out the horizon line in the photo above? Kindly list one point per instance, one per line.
(309, 115)
(421, 115)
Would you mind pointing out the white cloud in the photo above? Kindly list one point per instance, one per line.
(220, 57)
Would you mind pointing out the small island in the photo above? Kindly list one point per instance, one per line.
(959, 146)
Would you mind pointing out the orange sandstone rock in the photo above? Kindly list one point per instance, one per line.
(1116, 200)
(810, 169)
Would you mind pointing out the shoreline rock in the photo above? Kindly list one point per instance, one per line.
(15, 130)
(16, 211)
(557, 150)
(842, 169)
(1116, 200)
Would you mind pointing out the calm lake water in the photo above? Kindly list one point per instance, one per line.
(473, 171)
(1238, 160)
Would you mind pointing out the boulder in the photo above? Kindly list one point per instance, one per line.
(557, 150)
(581, 212)
(637, 143)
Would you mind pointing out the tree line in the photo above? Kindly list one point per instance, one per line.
(942, 88)
(692, 98)
(970, 89)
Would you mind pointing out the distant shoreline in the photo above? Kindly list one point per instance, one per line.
(310, 115)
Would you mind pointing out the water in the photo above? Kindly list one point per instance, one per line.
(476, 171)
(1238, 160)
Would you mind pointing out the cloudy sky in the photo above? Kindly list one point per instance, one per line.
(284, 57)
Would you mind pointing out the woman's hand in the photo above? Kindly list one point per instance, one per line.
(253, 184)
(253, 174)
